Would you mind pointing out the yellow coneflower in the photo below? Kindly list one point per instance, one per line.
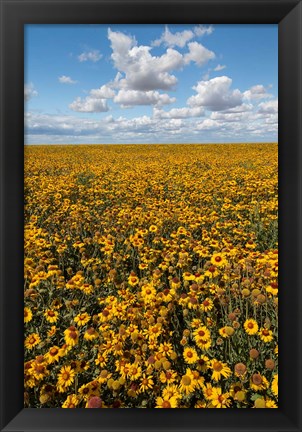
(207, 305)
(220, 369)
(52, 355)
(91, 334)
(274, 385)
(166, 402)
(71, 336)
(147, 383)
(133, 280)
(258, 382)
(71, 402)
(190, 355)
(204, 344)
(27, 315)
(101, 360)
(65, 378)
(32, 340)
(165, 348)
(218, 259)
(168, 376)
(82, 319)
(219, 399)
(135, 372)
(202, 363)
(187, 383)
(251, 327)
(52, 331)
(171, 390)
(51, 316)
(265, 334)
(269, 403)
(207, 391)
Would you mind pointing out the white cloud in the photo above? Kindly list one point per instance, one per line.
(198, 54)
(178, 113)
(180, 39)
(144, 72)
(93, 56)
(104, 92)
(201, 30)
(215, 94)
(128, 98)
(95, 101)
(66, 80)
(89, 105)
(256, 92)
(29, 91)
(174, 39)
(270, 107)
(219, 67)
(208, 124)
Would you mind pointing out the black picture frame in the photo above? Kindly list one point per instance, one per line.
(14, 14)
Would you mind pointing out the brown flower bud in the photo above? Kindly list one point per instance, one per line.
(254, 353)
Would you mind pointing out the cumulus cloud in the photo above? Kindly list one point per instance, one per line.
(29, 91)
(89, 105)
(104, 92)
(219, 67)
(174, 39)
(201, 30)
(127, 98)
(270, 107)
(198, 54)
(144, 72)
(96, 101)
(178, 113)
(180, 39)
(93, 56)
(256, 92)
(66, 80)
(215, 94)
(208, 124)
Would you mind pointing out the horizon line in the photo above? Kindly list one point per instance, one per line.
(184, 143)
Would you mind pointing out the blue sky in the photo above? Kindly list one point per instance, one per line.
(150, 83)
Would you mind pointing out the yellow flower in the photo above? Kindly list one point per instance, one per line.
(190, 355)
(146, 383)
(207, 305)
(258, 382)
(51, 315)
(219, 399)
(265, 334)
(220, 370)
(166, 402)
(274, 386)
(82, 319)
(71, 402)
(27, 314)
(65, 378)
(91, 334)
(52, 355)
(187, 383)
(219, 260)
(32, 340)
(71, 336)
(133, 280)
(168, 376)
(251, 326)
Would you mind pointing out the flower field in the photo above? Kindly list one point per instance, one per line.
(151, 276)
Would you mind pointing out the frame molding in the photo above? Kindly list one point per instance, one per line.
(14, 14)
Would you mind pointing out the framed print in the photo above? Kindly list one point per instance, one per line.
(150, 186)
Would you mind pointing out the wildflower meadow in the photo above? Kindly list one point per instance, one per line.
(151, 276)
